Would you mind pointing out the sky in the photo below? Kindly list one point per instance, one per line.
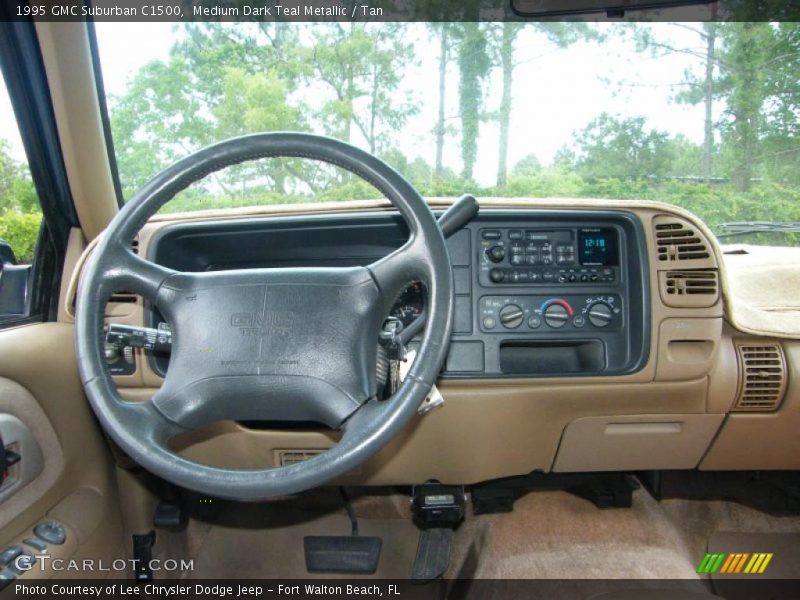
(556, 91)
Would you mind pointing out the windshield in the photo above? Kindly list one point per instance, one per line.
(702, 115)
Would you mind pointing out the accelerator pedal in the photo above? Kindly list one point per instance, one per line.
(433, 554)
(357, 555)
(438, 509)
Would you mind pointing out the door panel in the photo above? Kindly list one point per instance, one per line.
(40, 387)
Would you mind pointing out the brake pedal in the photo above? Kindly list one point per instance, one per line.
(341, 554)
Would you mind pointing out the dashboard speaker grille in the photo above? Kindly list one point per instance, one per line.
(762, 384)
(690, 289)
(676, 240)
(284, 458)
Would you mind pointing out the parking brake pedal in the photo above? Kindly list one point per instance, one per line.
(170, 512)
(341, 554)
(438, 510)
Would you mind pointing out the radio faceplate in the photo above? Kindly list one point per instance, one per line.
(544, 257)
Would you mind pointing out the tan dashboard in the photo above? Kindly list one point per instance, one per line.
(708, 395)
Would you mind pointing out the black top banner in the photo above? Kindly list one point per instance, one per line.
(398, 10)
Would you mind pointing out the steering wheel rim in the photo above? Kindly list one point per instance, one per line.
(143, 429)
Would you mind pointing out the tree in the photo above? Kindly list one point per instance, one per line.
(509, 31)
(172, 107)
(751, 67)
(473, 67)
(528, 165)
(613, 147)
(440, 129)
(780, 151)
(363, 66)
(503, 37)
(694, 88)
(16, 188)
(745, 56)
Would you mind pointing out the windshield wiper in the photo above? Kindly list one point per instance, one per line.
(735, 228)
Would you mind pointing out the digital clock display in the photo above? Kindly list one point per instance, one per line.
(597, 247)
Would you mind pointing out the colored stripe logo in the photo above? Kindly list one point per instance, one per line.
(736, 562)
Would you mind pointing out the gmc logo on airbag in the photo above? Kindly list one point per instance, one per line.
(252, 324)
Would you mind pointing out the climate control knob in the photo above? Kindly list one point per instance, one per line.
(511, 316)
(496, 253)
(556, 316)
(600, 314)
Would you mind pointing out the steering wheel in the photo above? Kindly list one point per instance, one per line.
(293, 344)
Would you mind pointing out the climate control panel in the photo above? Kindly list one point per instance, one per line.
(568, 313)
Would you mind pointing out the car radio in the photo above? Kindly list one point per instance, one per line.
(583, 255)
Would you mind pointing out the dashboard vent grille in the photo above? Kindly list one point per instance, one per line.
(678, 241)
(691, 282)
(762, 377)
(698, 288)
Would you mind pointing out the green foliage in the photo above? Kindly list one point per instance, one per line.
(19, 206)
(16, 188)
(751, 69)
(613, 147)
(21, 230)
(363, 66)
(473, 67)
(349, 80)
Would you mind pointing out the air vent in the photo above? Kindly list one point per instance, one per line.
(689, 289)
(678, 241)
(762, 383)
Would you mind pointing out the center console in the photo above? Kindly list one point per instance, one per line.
(555, 294)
